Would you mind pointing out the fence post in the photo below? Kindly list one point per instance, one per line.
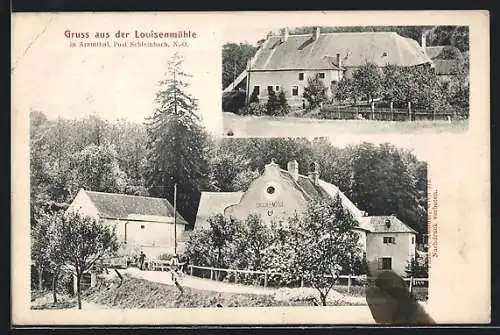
(392, 111)
(265, 279)
(211, 274)
(409, 110)
(191, 272)
(348, 284)
(373, 110)
(301, 282)
(411, 284)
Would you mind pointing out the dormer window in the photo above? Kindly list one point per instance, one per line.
(270, 190)
(388, 223)
(384, 54)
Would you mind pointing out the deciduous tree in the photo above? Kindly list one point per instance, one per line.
(82, 241)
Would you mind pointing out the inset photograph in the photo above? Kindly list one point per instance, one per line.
(366, 79)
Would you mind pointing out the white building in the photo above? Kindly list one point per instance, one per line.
(285, 62)
(389, 244)
(142, 223)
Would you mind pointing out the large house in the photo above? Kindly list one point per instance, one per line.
(389, 244)
(448, 61)
(285, 62)
(142, 223)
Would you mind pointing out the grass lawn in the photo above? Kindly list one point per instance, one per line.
(138, 293)
(266, 126)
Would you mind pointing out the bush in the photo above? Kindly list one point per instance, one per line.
(315, 92)
(256, 108)
(233, 101)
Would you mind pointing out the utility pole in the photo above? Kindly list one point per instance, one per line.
(175, 219)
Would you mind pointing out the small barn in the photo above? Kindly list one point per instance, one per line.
(142, 223)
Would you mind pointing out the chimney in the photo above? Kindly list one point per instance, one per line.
(314, 173)
(424, 40)
(315, 34)
(293, 169)
(284, 34)
(339, 61)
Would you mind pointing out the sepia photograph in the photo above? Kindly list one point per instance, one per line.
(363, 79)
(326, 187)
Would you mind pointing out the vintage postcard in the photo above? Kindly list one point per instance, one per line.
(249, 168)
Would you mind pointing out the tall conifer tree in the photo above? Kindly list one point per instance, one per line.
(177, 143)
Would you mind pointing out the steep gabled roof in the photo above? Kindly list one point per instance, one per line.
(379, 225)
(122, 206)
(443, 52)
(212, 203)
(355, 49)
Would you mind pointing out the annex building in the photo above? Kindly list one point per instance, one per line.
(389, 243)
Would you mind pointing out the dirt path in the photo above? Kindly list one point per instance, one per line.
(199, 283)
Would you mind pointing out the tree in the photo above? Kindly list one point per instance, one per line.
(273, 106)
(178, 144)
(345, 91)
(40, 235)
(97, 169)
(82, 241)
(367, 81)
(418, 267)
(315, 91)
(234, 60)
(316, 246)
(254, 237)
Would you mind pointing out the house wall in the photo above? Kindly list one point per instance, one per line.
(281, 204)
(84, 205)
(401, 252)
(285, 80)
(153, 238)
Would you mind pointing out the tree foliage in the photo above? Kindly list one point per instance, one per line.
(234, 60)
(316, 246)
(315, 92)
(367, 81)
(81, 241)
(97, 169)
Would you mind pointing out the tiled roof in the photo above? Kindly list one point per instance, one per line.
(447, 66)
(121, 206)
(378, 224)
(212, 203)
(443, 52)
(355, 49)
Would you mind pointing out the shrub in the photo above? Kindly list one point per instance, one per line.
(315, 92)
(233, 101)
(256, 108)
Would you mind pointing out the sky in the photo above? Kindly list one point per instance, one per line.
(110, 82)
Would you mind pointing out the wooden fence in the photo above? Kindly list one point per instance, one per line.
(349, 280)
(383, 113)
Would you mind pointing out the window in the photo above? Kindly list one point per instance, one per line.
(391, 240)
(385, 263)
(301, 75)
(333, 82)
(295, 90)
(270, 88)
(142, 226)
(277, 88)
(413, 240)
(256, 89)
(270, 189)
(321, 75)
